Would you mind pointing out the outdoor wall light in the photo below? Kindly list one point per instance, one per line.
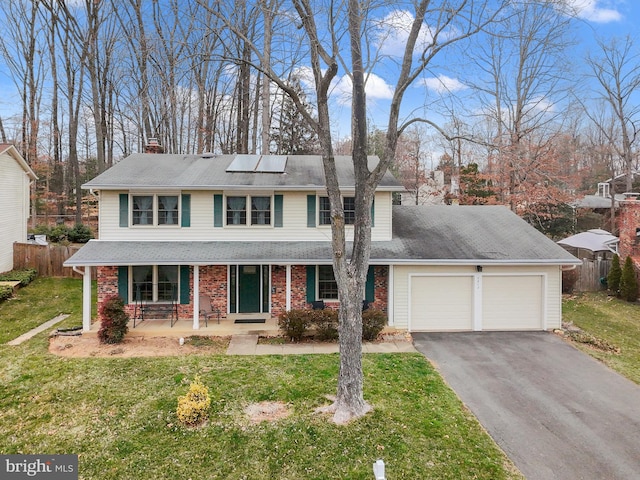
(478, 268)
(378, 470)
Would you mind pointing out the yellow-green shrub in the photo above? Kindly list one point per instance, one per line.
(193, 408)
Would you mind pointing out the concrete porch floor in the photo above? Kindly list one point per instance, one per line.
(184, 327)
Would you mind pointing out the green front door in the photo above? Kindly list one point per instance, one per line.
(249, 288)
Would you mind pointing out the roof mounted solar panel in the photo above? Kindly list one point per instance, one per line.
(272, 163)
(244, 163)
(258, 163)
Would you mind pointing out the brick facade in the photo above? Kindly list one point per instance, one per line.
(629, 232)
(214, 283)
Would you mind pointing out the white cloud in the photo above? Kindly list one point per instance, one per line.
(393, 33)
(376, 89)
(443, 84)
(589, 10)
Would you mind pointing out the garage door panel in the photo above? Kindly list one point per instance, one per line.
(512, 302)
(441, 303)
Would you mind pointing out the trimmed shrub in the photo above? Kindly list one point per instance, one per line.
(114, 320)
(193, 408)
(613, 279)
(628, 282)
(325, 323)
(373, 321)
(295, 323)
(25, 277)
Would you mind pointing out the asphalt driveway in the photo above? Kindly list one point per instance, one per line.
(556, 412)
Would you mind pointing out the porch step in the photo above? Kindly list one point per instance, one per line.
(244, 344)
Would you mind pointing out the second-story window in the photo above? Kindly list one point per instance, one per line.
(259, 214)
(324, 210)
(236, 211)
(142, 210)
(154, 209)
(167, 210)
(260, 210)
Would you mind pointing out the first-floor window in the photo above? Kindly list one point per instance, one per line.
(327, 286)
(154, 283)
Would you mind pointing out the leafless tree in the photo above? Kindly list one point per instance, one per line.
(617, 72)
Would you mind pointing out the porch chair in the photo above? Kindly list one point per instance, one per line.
(206, 310)
(318, 305)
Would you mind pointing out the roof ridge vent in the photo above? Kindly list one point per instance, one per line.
(207, 154)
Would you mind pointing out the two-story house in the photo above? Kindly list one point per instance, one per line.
(252, 233)
(15, 180)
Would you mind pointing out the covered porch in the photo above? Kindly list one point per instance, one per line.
(242, 282)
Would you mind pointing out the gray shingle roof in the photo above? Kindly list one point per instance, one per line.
(421, 235)
(196, 172)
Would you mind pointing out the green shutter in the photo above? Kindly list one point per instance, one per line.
(186, 210)
(370, 286)
(373, 213)
(311, 283)
(123, 283)
(277, 210)
(184, 285)
(311, 211)
(124, 210)
(217, 210)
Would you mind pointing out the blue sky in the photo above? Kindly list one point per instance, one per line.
(598, 18)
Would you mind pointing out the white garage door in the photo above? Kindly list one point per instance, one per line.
(512, 302)
(441, 303)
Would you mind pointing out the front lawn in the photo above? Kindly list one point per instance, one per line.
(616, 322)
(42, 300)
(119, 415)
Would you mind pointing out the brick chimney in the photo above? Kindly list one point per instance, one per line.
(629, 228)
(153, 146)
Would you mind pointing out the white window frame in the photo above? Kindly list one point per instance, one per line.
(249, 210)
(155, 210)
(319, 217)
(154, 285)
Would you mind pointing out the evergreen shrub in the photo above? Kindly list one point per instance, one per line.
(628, 282)
(613, 279)
(193, 408)
(113, 320)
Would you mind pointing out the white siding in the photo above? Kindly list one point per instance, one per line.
(202, 229)
(550, 276)
(14, 208)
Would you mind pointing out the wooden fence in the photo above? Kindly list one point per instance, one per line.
(46, 259)
(590, 274)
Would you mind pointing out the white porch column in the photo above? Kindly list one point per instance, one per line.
(196, 297)
(390, 318)
(288, 288)
(86, 299)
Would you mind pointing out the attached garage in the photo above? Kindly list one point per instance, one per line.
(441, 303)
(511, 302)
(458, 298)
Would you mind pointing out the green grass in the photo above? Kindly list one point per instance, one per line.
(42, 300)
(118, 415)
(614, 321)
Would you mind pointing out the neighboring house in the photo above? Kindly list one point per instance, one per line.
(15, 180)
(253, 234)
